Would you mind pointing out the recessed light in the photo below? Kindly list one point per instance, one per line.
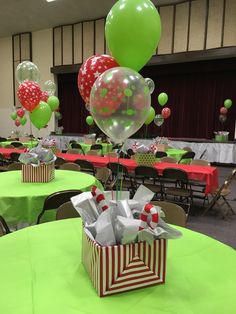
(50, 0)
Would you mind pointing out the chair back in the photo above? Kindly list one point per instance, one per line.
(146, 172)
(93, 152)
(16, 144)
(96, 147)
(59, 161)
(112, 154)
(130, 152)
(230, 178)
(85, 166)
(9, 146)
(75, 145)
(66, 211)
(187, 155)
(187, 148)
(3, 139)
(176, 174)
(14, 156)
(4, 229)
(200, 162)
(174, 214)
(14, 166)
(117, 168)
(160, 154)
(53, 201)
(70, 166)
(171, 160)
(103, 175)
(74, 151)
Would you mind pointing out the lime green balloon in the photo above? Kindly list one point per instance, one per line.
(23, 120)
(89, 120)
(13, 115)
(53, 102)
(151, 116)
(41, 115)
(228, 103)
(162, 99)
(133, 31)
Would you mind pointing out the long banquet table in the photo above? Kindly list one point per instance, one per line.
(206, 174)
(41, 272)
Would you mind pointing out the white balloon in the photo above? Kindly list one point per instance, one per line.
(151, 84)
(27, 70)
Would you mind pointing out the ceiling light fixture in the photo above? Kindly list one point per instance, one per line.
(50, 0)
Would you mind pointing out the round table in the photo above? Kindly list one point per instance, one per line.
(29, 144)
(41, 272)
(22, 202)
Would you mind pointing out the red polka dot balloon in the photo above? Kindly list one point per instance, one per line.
(29, 94)
(90, 70)
(44, 96)
(166, 112)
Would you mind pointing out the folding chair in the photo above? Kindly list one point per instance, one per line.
(222, 193)
(66, 211)
(188, 155)
(70, 166)
(174, 214)
(85, 166)
(4, 229)
(53, 201)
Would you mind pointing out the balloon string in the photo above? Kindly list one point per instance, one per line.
(146, 130)
(31, 138)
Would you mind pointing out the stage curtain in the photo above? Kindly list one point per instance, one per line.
(196, 92)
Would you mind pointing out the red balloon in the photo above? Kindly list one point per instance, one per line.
(29, 94)
(20, 112)
(166, 112)
(44, 96)
(223, 110)
(90, 71)
(17, 122)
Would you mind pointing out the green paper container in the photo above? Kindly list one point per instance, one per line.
(145, 159)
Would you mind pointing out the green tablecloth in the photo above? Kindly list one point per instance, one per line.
(22, 202)
(29, 144)
(41, 273)
(106, 147)
(176, 153)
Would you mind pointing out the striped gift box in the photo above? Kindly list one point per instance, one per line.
(120, 268)
(42, 173)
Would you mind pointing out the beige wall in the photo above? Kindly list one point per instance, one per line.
(42, 57)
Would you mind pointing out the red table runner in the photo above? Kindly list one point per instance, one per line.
(7, 151)
(206, 174)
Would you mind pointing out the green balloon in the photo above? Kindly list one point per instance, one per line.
(89, 120)
(228, 103)
(151, 116)
(162, 99)
(53, 102)
(41, 115)
(13, 115)
(23, 120)
(133, 31)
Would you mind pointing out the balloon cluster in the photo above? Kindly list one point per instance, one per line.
(116, 95)
(39, 102)
(18, 116)
(224, 110)
(162, 100)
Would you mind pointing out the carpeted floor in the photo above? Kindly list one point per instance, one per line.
(212, 224)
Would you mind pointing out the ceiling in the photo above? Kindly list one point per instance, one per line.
(31, 15)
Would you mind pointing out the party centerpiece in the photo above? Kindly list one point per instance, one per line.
(38, 165)
(222, 136)
(50, 144)
(160, 144)
(124, 241)
(143, 155)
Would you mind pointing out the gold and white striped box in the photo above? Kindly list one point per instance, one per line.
(42, 173)
(119, 268)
